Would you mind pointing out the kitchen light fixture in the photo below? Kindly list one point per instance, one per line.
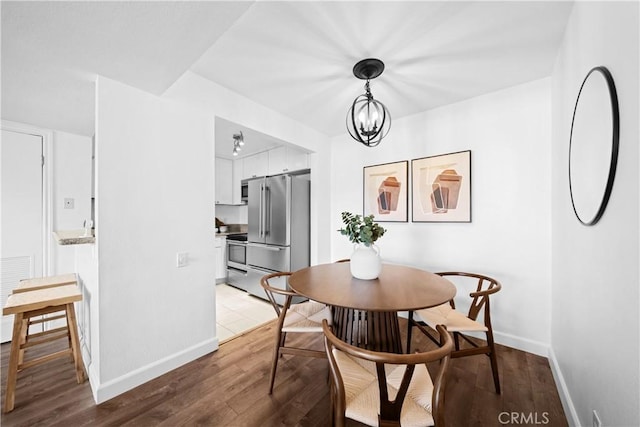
(238, 142)
(368, 120)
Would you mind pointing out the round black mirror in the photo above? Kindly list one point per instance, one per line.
(593, 145)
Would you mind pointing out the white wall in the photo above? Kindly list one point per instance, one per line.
(154, 198)
(595, 310)
(232, 214)
(71, 179)
(155, 184)
(509, 135)
(88, 311)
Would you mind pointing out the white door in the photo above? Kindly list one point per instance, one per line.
(22, 213)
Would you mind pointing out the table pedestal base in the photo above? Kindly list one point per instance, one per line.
(371, 330)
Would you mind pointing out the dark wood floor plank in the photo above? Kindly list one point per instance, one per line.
(544, 402)
(229, 388)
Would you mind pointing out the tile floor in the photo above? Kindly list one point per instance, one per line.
(237, 311)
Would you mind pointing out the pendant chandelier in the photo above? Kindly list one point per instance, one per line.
(238, 142)
(368, 120)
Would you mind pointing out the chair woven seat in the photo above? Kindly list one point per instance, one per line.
(306, 317)
(386, 389)
(363, 395)
(445, 315)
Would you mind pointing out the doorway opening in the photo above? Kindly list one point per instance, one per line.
(25, 211)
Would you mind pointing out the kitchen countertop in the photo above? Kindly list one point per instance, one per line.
(225, 234)
(233, 229)
(73, 237)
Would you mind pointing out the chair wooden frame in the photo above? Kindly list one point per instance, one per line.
(390, 411)
(280, 347)
(486, 286)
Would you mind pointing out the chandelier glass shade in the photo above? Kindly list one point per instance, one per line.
(368, 120)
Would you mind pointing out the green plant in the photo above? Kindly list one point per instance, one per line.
(361, 230)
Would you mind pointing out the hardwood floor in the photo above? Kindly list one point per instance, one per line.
(229, 388)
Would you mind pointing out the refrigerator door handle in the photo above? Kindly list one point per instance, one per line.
(267, 247)
(261, 270)
(260, 211)
(267, 210)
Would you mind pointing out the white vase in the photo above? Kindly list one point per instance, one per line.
(365, 262)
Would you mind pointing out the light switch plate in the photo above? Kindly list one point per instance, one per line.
(182, 259)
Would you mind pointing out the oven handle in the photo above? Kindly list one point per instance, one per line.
(237, 270)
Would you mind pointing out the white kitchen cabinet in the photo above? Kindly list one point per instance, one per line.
(286, 159)
(224, 181)
(221, 259)
(237, 177)
(297, 159)
(255, 165)
(277, 160)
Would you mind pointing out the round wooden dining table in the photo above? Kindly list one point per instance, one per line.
(365, 312)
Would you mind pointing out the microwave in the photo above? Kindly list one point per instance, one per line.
(244, 191)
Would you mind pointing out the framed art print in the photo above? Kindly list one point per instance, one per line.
(385, 191)
(441, 188)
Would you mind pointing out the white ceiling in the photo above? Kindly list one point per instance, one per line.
(52, 52)
(254, 141)
(293, 57)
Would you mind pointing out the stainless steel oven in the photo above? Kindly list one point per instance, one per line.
(237, 268)
(236, 254)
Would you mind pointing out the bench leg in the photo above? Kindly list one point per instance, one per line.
(12, 374)
(75, 343)
(24, 333)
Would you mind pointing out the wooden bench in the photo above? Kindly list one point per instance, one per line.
(35, 298)
(46, 282)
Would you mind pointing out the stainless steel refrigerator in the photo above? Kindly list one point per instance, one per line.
(278, 228)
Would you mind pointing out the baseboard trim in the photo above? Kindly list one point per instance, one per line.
(94, 381)
(117, 386)
(563, 391)
(524, 344)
